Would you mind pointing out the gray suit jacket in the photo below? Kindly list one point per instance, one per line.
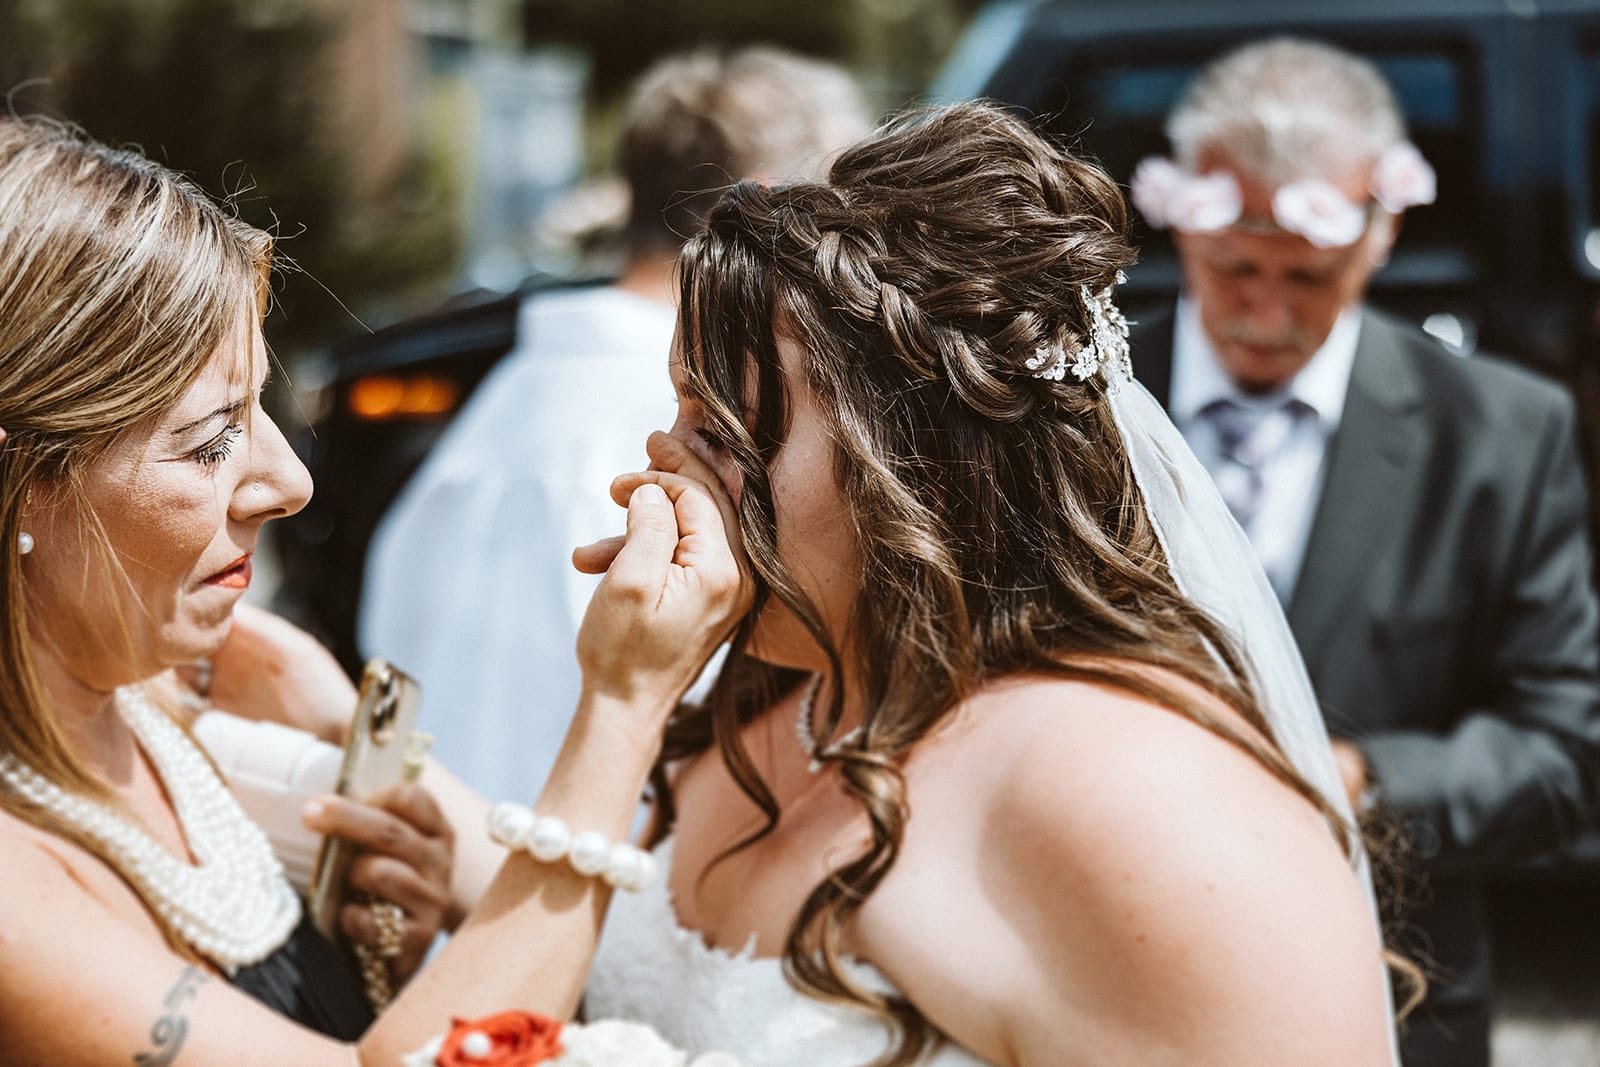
(1445, 609)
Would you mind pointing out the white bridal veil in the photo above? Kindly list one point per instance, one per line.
(1213, 564)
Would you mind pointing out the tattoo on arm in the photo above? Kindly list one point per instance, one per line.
(172, 1027)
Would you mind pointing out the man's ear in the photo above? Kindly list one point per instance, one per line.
(1381, 238)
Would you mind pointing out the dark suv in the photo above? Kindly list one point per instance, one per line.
(1502, 96)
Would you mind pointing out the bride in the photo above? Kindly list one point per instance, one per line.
(981, 780)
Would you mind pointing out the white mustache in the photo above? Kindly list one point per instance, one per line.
(1249, 335)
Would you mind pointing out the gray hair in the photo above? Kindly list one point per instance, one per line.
(1285, 109)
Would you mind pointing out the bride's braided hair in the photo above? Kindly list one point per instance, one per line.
(999, 524)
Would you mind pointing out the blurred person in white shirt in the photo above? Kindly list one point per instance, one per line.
(469, 583)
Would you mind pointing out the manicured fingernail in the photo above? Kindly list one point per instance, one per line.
(651, 492)
(312, 811)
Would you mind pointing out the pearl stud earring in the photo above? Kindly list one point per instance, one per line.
(25, 543)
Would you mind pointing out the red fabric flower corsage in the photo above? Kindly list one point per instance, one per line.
(505, 1039)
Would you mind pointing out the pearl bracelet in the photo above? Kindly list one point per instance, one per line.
(549, 840)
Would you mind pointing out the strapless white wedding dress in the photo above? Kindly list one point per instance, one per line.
(649, 969)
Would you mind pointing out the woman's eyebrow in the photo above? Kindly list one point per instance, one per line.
(227, 409)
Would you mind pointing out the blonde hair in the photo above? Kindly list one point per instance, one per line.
(119, 279)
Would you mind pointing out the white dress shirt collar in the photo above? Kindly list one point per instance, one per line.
(1198, 377)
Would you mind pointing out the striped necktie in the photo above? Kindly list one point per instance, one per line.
(1249, 435)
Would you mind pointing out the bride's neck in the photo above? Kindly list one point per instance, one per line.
(87, 715)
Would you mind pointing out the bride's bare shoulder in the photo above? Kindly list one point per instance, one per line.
(1158, 867)
(1025, 716)
(1094, 764)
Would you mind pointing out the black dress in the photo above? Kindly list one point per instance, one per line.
(312, 982)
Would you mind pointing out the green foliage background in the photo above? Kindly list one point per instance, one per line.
(234, 94)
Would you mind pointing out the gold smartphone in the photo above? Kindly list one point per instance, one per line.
(375, 757)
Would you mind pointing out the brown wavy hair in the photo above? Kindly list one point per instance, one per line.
(119, 279)
(999, 523)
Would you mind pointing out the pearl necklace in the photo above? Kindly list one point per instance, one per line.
(802, 728)
(234, 905)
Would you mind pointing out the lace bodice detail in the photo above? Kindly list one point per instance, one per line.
(650, 969)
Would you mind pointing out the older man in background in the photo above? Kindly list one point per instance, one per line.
(1422, 516)
(469, 581)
